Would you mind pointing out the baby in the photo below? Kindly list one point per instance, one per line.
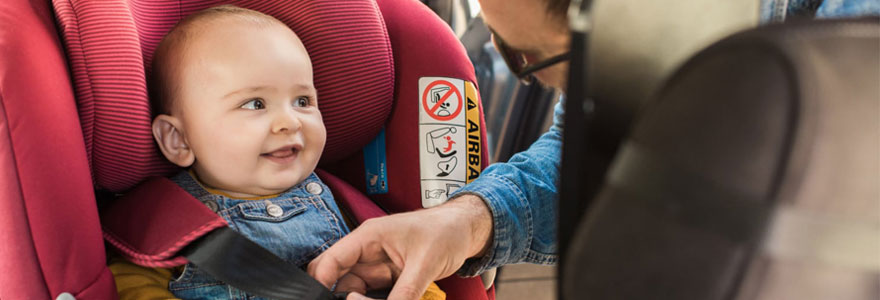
(238, 107)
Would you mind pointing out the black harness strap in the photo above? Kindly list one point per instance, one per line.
(238, 261)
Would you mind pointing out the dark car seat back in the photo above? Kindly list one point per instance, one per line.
(634, 46)
(752, 175)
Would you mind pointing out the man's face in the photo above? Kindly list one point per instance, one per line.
(249, 110)
(526, 26)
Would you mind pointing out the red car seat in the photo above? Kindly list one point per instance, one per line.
(368, 57)
(50, 241)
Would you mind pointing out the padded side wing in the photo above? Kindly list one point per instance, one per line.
(423, 46)
(50, 241)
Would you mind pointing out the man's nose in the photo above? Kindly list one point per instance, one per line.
(286, 121)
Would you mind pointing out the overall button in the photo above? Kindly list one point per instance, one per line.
(274, 210)
(314, 188)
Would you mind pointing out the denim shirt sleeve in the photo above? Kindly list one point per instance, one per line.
(521, 195)
(779, 10)
(848, 8)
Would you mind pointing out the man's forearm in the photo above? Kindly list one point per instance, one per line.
(521, 197)
(474, 210)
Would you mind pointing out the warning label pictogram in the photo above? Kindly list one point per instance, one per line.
(449, 131)
(442, 100)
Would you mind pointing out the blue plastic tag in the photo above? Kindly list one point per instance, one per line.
(374, 165)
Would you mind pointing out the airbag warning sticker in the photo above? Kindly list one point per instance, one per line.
(449, 130)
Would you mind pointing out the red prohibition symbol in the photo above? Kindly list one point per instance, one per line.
(437, 109)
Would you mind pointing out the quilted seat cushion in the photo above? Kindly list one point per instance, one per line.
(110, 45)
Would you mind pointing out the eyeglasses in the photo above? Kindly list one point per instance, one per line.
(517, 62)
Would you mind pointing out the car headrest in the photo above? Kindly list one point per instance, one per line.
(110, 44)
(752, 175)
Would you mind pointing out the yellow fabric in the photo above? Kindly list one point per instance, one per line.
(433, 293)
(221, 193)
(135, 282)
(141, 283)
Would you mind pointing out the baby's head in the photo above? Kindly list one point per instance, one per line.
(236, 101)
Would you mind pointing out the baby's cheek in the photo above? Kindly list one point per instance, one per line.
(233, 163)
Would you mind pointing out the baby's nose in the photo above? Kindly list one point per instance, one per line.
(286, 122)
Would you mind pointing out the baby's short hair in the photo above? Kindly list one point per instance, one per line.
(162, 87)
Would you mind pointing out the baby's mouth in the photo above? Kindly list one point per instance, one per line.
(282, 155)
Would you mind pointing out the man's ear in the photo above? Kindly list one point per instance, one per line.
(167, 131)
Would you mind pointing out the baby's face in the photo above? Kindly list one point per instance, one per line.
(249, 109)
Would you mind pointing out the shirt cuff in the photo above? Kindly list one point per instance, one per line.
(511, 223)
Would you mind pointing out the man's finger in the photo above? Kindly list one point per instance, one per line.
(356, 296)
(413, 281)
(375, 275)
(351, 283)
(335, 262)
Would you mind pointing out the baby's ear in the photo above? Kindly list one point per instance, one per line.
(167, 131)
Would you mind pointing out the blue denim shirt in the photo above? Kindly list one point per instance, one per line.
(522, 193)
(779, 10)
(296, 225)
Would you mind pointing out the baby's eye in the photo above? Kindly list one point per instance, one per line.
(256, 103)
(301, 101)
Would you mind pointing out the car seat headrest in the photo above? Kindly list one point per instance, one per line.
(110, 45)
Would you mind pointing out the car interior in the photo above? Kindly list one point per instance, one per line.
(717, 160)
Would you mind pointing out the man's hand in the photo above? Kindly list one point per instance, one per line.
(409, 250)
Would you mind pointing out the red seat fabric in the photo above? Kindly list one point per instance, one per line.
(50, 240)
(157, 203)
(430, 50)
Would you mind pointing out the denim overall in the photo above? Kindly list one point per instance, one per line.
(297, 225)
